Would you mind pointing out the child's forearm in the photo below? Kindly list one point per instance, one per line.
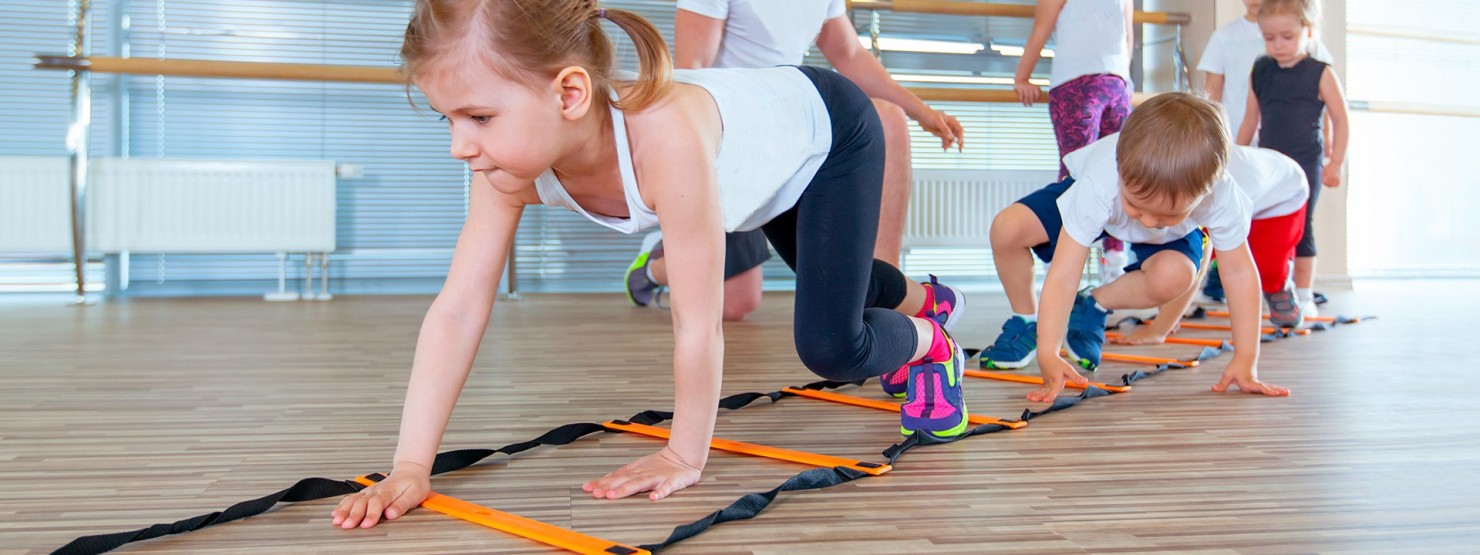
(1241, 284)
(444, 355)
(1053, 310)
(698, 358)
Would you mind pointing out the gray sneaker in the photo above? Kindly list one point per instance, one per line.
(641, 290)
(1284, 312)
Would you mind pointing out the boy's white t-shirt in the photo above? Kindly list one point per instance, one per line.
(1089, 38)
(1231, 53)
(1092, 205)
(765, 33)
(1274, 183)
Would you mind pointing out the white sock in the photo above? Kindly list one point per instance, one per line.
(1304, 296)
(1029, 318)
(648, 271)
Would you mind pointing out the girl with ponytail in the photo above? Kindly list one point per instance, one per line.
(533, 108)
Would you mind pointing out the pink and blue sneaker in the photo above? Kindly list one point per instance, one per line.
(933, 403)
(943, 304)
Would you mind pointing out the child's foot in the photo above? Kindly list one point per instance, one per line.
(641, 289)
(1284, 311)
(933, 402)
(1014, 347)
(945, 305)
(1086, 334)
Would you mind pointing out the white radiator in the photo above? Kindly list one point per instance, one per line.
(35, 213)
(187, 206)
(171, 206)
(954, 208)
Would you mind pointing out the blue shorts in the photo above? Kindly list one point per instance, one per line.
(1045, 205)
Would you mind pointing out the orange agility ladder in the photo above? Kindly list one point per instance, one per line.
(517, 525)
(891, 407)
(1214, 343)
(825, 461)
(1321, 319)
(1019, 378)
(1266, 330)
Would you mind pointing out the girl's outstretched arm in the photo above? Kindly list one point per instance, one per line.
(674, 145)
(449, 339)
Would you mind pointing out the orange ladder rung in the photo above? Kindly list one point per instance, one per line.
(1138, 359)
(767, 451)
(514, 524)
(892, 407)
(1019, 378)
(1214, 343)
(1324, 319)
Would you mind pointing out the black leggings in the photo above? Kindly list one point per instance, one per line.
(1312, 166)
(844, 322)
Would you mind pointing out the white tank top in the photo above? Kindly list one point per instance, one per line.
(776, 133)
(1090, 39)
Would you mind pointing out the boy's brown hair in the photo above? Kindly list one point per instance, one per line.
(1173, 146)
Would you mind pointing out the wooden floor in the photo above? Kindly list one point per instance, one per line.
(117, 416)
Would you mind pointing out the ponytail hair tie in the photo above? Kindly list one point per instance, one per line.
(601, 13)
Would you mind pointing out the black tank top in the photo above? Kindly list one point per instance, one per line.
(1290, 106)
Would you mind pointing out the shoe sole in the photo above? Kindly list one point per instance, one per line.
(961, 426)
(1008, 364)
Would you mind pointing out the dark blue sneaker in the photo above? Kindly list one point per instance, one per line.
(1213, 290)
(1086, 331)
(1015, 346)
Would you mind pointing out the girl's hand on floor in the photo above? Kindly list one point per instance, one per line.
(1055, 373)
(660, 474)
(392, 497)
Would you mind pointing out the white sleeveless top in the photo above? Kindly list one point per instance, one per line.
(1089, 38)
(776, 133)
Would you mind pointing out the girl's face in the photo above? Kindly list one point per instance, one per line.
(506, 129)
(1285, 37)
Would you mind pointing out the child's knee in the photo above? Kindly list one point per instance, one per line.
(1015, 227)
(1170, 273)
(741, 304)
(896, 124)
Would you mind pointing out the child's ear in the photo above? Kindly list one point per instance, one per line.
(573, 87)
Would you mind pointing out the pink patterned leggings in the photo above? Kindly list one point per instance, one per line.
(1085, 109)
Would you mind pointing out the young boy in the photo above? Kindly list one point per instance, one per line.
(1155, 186)
(1276, 185)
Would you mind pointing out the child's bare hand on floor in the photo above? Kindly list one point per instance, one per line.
(391, 497)
(660, 474)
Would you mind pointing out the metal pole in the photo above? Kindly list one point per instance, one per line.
(77, 143)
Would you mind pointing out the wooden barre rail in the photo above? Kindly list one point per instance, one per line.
(949, 7)
(387, 75)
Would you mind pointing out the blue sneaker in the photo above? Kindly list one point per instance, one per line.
(1086, 331)
(641, 290)
(1213, 290)
(933, 402)
(1015, 346)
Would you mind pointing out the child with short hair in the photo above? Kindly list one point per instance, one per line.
(1289, 91)
(527, 90)
(1275, 185)
(1155, 186)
